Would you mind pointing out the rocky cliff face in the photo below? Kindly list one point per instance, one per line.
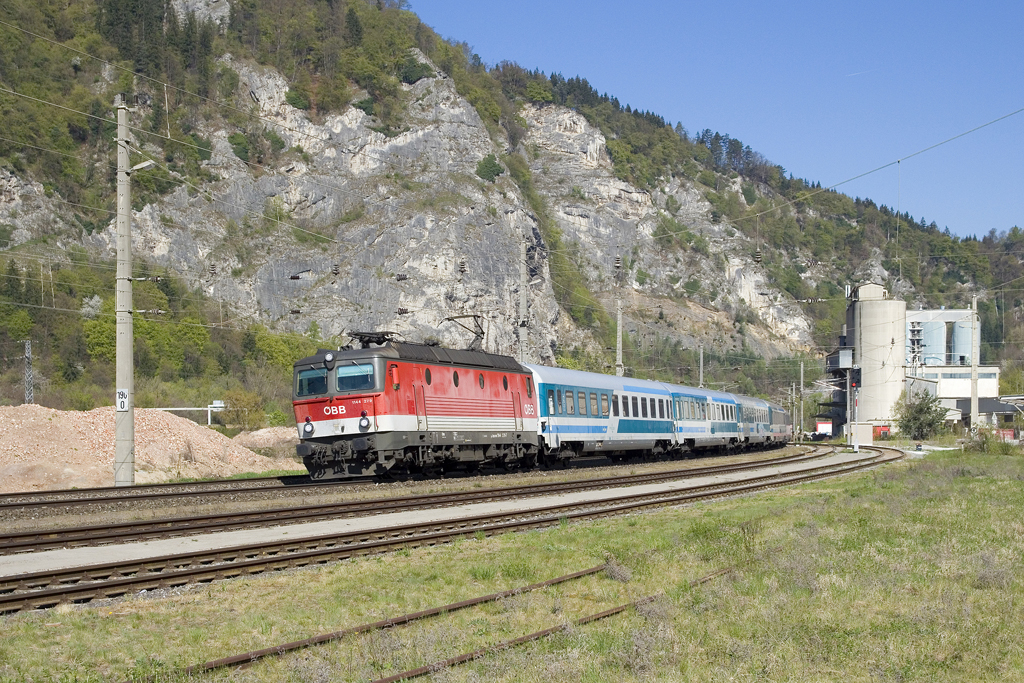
(691, 292)
(350, 226)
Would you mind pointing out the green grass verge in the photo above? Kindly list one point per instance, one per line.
(909, 572)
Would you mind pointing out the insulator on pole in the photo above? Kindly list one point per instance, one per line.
(335, 269)
(403, 311)
(401, 276)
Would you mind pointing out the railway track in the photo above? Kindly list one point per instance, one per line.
(122, 496)
(114, 579)
(156, 496)
(138, 530)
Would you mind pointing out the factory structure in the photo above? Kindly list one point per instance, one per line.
(884, 350)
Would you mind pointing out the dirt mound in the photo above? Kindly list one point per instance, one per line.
(42, 448)
(273, 442)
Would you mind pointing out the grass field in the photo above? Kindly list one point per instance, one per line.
(909, 572)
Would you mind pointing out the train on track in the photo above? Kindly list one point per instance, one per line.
(395, 408)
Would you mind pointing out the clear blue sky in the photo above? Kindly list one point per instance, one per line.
(828, 90)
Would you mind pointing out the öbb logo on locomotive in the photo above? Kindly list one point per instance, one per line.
(355, 418)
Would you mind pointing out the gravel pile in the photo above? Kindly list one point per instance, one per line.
(271, 437)
(42, 448)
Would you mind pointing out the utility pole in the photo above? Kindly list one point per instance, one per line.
(701, 383)
(29, 396)
(848, 426)
(856, 401)
(124, 373)
(619, 369)
(124, 400)
(523, 285)
(975, 348)
(792, 399)
(801, 400)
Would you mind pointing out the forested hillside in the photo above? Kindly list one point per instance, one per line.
(338, 54)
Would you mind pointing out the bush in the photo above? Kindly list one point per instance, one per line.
(413, 70)
(920, 415)
(239, 145)
(489, 168)
(297, 99)
(244, 409)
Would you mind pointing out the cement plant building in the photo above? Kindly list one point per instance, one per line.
(936, 351)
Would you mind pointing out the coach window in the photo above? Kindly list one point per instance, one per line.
(643, 406)
(570, 403)
(551, 401)
(504, 383)
(426, 375)
(636, 411)
(583, 403)
(604, 404)
(558, 394)
(593, 405)
(455, 377)
(661, 409)
(481, 380)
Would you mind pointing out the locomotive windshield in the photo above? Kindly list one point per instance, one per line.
(355, 377)
(311, 382)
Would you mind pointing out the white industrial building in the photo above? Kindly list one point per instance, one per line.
(896, 349)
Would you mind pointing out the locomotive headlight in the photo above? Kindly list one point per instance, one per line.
(328, 357)
(307, 429)
(364, 422)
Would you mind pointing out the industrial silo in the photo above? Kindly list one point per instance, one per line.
(879, 336)
(933, 345)
(962, 347)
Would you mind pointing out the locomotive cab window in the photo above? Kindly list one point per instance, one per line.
(529, 387)
(355, 377)
(311, 382)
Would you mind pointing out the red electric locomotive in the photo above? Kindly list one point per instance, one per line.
(400, 408)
